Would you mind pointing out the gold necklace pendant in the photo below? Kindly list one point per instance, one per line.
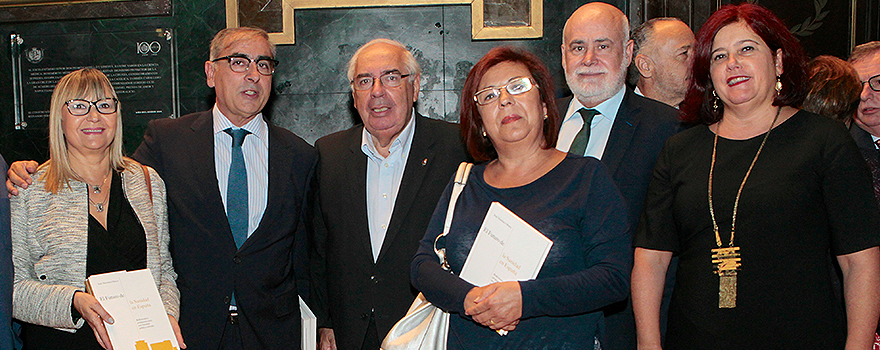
(728, 259)
(727, 262)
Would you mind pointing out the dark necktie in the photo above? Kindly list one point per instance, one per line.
(579, 145)
(237, 189)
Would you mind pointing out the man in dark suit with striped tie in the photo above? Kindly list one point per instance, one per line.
(237, 224)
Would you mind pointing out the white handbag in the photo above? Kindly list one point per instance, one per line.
(425, 326)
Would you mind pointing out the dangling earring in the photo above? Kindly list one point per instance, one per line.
(778, 85)
(484, 132)
(714, 101)
(545, 117)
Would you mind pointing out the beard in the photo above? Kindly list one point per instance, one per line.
(594, 91)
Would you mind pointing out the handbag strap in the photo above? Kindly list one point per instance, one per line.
(461, 176)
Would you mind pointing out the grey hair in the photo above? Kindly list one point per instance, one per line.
(226, 37)
(409, 61)
(864, 50)
(641, 36)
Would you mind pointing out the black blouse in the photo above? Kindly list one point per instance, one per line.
(121, 246)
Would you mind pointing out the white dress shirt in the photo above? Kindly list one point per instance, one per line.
(256, 162)
(383, 181)
(600, 128)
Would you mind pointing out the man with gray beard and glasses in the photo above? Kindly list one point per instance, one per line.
(608, 121)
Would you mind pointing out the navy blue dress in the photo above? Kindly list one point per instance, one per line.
(578, 207)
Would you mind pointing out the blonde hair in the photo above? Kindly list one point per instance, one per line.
(84, 83)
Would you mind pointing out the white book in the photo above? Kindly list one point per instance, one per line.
(506, 249)
(132, 299)
(309, 326)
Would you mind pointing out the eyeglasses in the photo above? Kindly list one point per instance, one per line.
(241, 63)
(390, 79)
(873, 82)
(80, 107)
(515, 86)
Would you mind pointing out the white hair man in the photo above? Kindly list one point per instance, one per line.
(606, 120)
(378, 184)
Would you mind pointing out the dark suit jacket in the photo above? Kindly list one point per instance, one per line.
(869, 152)
(5, 265)
(346, 283)
(640, 129)
(270, 266)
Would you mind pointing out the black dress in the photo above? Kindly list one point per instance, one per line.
(807, 199)
(122, 246)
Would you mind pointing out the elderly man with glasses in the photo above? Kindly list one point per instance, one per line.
(865, 58)
(378, 184)
(238, 274)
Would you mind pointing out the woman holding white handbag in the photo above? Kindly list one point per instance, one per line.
(509, 119)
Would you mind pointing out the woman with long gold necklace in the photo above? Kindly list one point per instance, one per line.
(757, 202)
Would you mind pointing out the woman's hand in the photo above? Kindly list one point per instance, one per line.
(497, 306)
(93, 313)
(176, 328)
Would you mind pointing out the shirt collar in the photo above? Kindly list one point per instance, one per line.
(607, 109)
(257, 126)
(402, 142)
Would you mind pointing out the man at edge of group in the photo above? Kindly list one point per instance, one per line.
(625, 131)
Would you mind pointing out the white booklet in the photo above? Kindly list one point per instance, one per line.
(132, 299)
(309, 326)
(506, 249)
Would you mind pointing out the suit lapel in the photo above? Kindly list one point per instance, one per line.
(619, 140)
(356, 164)
(279, 161)
(204, 173)
(421, 155)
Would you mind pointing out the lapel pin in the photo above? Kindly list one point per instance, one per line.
(424, 161)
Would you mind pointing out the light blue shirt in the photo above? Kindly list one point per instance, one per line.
(600, 128)
(256, 162)
(383, 181)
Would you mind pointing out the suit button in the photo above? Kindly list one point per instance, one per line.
(236, 260)
(226, 299)
(365, 315)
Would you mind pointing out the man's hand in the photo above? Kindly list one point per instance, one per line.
(19, 174)
(326, 339)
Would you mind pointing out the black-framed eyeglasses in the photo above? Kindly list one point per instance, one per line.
(873, 83)
(80, 107)
(389, 79)
(240, 63)
(515, 86)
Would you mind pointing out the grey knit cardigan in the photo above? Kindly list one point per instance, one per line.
(49, 246)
